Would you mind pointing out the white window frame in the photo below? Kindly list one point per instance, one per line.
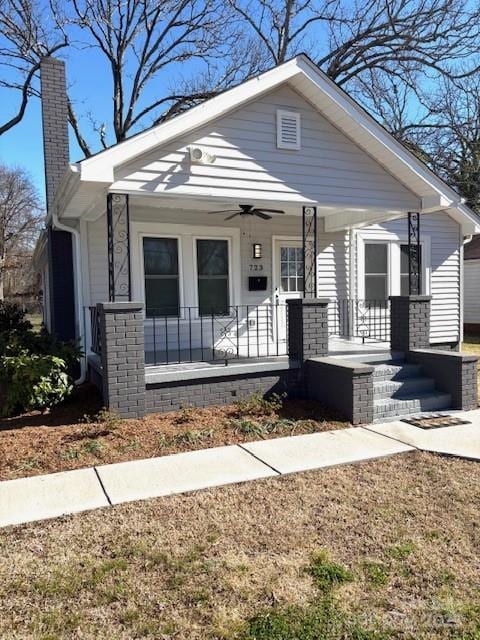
(195, 269)
(393, 242)
(296, 116)
(186, 236)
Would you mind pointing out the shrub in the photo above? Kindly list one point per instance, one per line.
(33, 382)
(12, 319)
(36, 369)
(257, 404)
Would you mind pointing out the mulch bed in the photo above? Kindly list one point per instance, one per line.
(76, 435)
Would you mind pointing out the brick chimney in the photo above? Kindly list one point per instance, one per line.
(55, 123)
(56, 157)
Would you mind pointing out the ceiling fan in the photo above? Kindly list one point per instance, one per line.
(249, 210)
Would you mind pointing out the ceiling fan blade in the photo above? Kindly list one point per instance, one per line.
(224, 211)
(270, 210)
(232, 216)
(261, 215)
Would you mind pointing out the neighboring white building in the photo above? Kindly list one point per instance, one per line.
(471, 286)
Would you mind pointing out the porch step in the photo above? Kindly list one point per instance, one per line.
(391, 407)
(399, 388)
(396, 371)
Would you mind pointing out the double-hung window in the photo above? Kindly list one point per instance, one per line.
(376, 272)
(213, 276)
(162, 291)
(386, 270)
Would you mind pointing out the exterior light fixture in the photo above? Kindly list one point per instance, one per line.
(257, 250)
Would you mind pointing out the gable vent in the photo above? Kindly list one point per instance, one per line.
(288, 129)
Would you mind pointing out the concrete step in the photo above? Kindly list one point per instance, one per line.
(433, 401)
(373, 358)
(396, 371)
(398, 388)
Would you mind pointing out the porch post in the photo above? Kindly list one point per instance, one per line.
(409, 322)
(414, 266)
(123, 357)
(307, 328)
(118, 228)
(309, 246)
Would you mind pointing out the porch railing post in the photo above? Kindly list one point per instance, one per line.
(309, 251)
(123, 357)
(307, 328)
(409, 322)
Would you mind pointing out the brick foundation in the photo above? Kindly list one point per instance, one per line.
(171, 396)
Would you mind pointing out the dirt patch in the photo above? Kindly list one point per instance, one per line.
(70, 438)
(198, 566)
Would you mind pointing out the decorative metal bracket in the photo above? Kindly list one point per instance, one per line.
(309, 225)
(414, 267)
(118, 227)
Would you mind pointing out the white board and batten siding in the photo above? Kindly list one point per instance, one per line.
(328, 168)
(443, 237)
(471, 291)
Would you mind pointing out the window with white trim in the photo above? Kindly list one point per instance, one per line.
(376, 271)
(213, 276)
(162, 290)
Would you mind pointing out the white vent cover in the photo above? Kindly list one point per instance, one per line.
(288, 129)
(200, 156)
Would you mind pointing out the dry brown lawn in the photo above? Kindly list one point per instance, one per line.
(76, 435)
(198, 566)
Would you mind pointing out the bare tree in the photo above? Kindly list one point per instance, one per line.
(450, 139)
(144, 40)
(27, 34)
(20, 218)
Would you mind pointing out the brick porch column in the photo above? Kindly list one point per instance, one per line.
(123, 357)
(307, 328)
(409, 322)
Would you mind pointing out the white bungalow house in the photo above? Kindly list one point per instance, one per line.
(471, 286)
(281, 188)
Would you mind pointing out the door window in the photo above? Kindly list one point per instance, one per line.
(291, 269)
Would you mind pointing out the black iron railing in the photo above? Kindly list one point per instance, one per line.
(96, 344)
(365, 319)
(185, 334)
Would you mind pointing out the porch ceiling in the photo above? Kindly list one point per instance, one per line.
(336, 216)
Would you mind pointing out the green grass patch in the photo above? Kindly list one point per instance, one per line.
(376, 573)
(326, 574)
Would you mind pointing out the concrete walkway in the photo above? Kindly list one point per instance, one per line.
(49, 496)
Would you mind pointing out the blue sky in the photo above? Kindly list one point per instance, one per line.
(89, 85)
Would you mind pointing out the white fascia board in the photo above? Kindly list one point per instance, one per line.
(101, 167)
(466, 218)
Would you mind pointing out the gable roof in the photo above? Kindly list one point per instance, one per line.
(330, 100)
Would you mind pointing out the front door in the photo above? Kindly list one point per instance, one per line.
(287, 278)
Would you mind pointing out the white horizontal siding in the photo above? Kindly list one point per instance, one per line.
(444, 235)
(471, 291)
(97, 260)
(328, 168)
